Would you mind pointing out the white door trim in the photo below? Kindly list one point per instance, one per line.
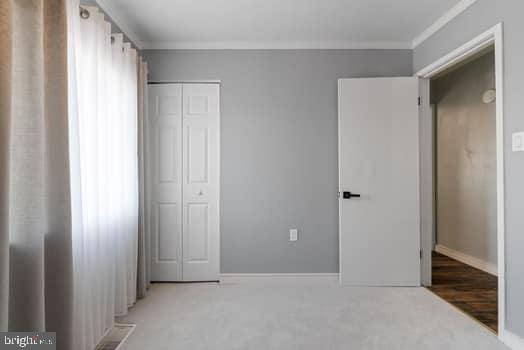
(493, 36)
(427, 182)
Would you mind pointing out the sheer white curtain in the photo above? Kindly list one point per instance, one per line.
(104, 131)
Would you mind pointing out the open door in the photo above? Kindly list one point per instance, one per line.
(379, 205)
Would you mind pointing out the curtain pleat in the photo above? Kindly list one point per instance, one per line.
(143, 241)
(6, 45)
(58, 287)
(93, 249)
(35, 208)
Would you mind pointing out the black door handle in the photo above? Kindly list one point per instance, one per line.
(349, 195)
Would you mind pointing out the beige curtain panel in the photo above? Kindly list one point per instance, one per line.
(35, 210)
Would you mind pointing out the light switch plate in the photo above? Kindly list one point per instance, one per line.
(293, 235)
(518, 142)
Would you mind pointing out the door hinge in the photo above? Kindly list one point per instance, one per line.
(421, 254)
(419, 102)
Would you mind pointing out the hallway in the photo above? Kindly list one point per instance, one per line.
(471, 290)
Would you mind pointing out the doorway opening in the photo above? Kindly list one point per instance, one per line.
(471, 278)
(464, 255)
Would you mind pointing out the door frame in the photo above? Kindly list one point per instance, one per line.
(493, 36)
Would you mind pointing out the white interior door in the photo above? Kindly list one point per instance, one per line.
(379, 160)
(201, 152)
(165, 120)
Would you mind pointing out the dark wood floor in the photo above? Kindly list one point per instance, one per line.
(471, 290)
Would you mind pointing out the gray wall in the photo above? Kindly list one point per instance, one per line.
(279, 148)
(467, 160)
(479, 17)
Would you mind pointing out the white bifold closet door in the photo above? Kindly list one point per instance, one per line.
(184, 139)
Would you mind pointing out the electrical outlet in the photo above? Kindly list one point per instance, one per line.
(518, 142)
(293, 235)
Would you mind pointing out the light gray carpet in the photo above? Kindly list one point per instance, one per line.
(260, 317)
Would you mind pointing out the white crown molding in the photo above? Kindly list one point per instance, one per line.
(120, 21)
(283, 45)
(442, 21)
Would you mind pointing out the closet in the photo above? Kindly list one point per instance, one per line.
(183, 175)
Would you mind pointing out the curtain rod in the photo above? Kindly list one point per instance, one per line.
(84, 13)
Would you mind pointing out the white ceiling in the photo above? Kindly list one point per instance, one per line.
(280, 23)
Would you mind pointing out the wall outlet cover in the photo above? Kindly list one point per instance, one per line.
(293, 235)
(518, 142)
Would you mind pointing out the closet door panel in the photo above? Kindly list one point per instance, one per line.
(198, 233)
(198, 158)
(165, 119)
(201, 152)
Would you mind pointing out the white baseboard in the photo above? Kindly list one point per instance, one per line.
(512, 340)
(287, 278)
(467, 259)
